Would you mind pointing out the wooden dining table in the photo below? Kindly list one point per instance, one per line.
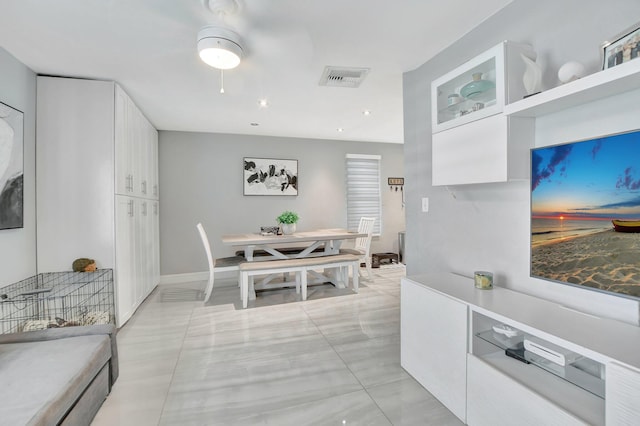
(309, 241)
(319, 242)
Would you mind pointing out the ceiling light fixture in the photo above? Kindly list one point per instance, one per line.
(263, 103)
(219, 47)
(366, 112)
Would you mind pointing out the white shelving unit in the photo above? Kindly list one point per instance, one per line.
(473, 141)
(609, 82)
(501, 389)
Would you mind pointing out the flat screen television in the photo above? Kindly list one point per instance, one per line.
(585, 214)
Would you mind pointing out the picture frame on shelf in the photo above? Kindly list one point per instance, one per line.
(11, 167)
(623, 47)
(270, 176)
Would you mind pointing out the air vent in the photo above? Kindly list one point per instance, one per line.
(343, 77)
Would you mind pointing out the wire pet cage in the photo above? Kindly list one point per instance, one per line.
(57, 299)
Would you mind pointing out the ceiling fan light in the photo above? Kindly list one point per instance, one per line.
(219, 47)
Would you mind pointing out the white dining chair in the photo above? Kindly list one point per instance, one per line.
(223, 264)
(362, 245)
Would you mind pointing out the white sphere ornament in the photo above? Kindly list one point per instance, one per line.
(571, 71)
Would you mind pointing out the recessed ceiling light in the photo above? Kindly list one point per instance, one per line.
(340, 129)
(263, 103)
(255, 124)
(366, 112)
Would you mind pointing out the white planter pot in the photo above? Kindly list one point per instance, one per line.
(288, 228)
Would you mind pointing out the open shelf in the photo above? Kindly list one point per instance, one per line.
(602, 84)
(584, 372)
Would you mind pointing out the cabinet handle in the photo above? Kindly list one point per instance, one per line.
(155, 189)
(131, 184)
(144, 208)
(144, 186)
(130, 203)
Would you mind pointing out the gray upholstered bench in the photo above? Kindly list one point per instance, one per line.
(56, 376)
(300, 267)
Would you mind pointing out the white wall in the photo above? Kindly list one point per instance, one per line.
(487, 226)
(18, 246)
(201, 181)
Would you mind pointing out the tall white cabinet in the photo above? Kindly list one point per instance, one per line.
(97, 185)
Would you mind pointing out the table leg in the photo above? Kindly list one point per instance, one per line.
(248, 253)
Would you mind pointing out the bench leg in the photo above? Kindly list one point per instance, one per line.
(244, 288)
(355, 268)
(302, 274)
(252, 288)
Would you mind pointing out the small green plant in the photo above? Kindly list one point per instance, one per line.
(287, 217)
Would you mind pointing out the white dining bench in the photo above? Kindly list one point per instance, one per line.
(300, 267)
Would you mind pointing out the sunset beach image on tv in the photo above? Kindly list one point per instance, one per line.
(585, 213)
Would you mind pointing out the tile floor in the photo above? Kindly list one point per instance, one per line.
(331, 360)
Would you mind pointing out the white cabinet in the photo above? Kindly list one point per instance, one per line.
(96, 154)
(136, 150)
(473, 142)
(507, 381)
(434, 344)
(494, 149)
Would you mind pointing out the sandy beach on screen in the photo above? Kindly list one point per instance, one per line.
(606, 260)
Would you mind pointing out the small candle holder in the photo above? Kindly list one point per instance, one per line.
(483, 280)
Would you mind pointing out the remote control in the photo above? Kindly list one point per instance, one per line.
(506, 330)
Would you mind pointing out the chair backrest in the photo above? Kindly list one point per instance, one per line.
(365, 227)
(207, 249)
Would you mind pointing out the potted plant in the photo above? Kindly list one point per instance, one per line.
(288, 221)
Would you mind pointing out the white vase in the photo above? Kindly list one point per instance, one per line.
(288, 228)
(571, 71)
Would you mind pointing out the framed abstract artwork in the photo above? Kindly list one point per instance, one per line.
(270, 176)
(11, 167)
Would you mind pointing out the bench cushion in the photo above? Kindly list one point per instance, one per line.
(228, 262)
(42, 380)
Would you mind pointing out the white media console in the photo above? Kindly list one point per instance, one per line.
(450, 343)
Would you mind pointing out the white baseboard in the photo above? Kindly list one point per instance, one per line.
(183, 278)
(222, 278)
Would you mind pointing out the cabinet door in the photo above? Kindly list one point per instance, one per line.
(434, 344)
(123, 153)
(494, 399)
(125, 277)
(155, 189)
(156, 245)
(623, 395)
(473, 153)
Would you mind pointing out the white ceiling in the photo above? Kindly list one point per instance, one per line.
(149, 48)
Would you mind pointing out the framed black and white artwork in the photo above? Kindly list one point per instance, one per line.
(270, 176)
(11, 167)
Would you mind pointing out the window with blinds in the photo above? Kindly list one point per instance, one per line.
(363, 190)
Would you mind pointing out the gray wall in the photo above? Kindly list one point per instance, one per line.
(201, 181)
(18, 246)
(486, 226)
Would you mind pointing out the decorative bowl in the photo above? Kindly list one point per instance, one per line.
(476, 88)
